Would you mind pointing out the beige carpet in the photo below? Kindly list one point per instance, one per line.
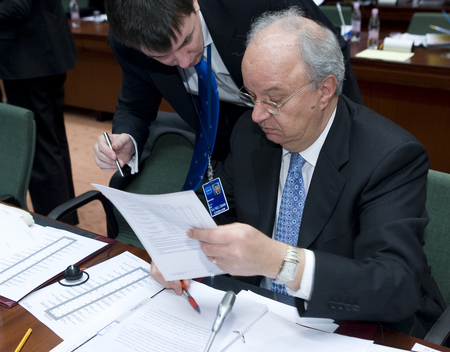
(82, 130)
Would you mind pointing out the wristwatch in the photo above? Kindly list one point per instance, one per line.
(289, 267)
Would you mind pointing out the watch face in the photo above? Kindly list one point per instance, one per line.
(289, 268)
(287, 272)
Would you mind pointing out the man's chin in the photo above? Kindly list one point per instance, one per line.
(271, 136)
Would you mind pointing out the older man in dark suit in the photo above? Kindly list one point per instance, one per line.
(36, 51)
(327, 197)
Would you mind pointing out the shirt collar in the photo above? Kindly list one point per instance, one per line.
(207, 39)
(311, 154)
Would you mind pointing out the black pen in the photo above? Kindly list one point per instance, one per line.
(110, 145)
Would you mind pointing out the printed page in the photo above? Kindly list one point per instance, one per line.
(113, 286)
(291, 313)
(14, 221)
(44, 252)
(168, 323)
(274, 331)
(161, 222)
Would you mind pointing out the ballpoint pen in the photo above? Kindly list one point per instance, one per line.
(110, 145)
(440, 29)
(190, 298)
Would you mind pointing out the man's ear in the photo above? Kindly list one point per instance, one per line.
(196, 5)
(328, 88)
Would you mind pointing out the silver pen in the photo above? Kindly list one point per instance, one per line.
(110, 145)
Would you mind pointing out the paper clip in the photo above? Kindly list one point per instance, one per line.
(241, 335)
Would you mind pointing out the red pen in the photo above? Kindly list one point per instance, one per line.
(190, 298)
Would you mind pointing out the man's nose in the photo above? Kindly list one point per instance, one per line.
(260, 113)
(183, 58)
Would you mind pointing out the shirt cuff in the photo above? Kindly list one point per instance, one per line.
(133, 163)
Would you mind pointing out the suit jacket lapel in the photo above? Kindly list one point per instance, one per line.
(327, 182)
(267, 161)
(229, 43)
(168, 80)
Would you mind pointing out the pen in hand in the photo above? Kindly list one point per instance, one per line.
(190, 298)
(110, 146)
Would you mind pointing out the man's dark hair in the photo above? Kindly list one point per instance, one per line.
(151, 24)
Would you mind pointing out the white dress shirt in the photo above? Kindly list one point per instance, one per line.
(310, 155)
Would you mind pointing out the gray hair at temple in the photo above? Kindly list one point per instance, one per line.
(318, 49)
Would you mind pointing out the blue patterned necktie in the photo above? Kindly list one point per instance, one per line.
(291, 209)
(207, 128)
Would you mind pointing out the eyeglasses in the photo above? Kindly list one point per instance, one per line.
(269, 105)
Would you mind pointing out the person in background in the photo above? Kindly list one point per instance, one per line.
(158, 42)
(327, 197)
(37, 49)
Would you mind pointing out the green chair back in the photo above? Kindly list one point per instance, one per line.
(421, 21)
(333, 15)
(164, 171)
(17, 143)
(437, 232)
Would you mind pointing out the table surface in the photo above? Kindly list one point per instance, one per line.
(15, 321)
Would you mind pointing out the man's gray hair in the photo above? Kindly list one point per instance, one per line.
(319, 50)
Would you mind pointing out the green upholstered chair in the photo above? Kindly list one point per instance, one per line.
(165, 163)
(17, 143)
(421, 21)
(437, 246)
(333, 15)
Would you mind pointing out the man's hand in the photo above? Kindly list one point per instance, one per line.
(174, 285)
(123, 150)
(240, 249)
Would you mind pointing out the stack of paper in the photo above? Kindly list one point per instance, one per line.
(33, 254)
(436, 39)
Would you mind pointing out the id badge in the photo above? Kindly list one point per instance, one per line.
(215, 196)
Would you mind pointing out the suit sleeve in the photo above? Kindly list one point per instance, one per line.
(139, 100)
(15, 11)
(380, 280)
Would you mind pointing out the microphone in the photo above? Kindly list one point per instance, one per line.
(223, 311)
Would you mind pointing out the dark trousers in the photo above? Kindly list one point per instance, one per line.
(51, 178)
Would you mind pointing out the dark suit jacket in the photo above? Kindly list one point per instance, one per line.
(146, 81)
(34, 46)
(364, 216)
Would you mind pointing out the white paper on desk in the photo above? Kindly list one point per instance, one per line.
(291, 313)
(394, 44)
(106, 295)
(17, 213)
(384, 55)
(15, 232)
(168, 323)
(102, 18)
(380, 348)
(418, 39)
(273, 332)
(422, 348)
(161, 222)
(46, 252)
